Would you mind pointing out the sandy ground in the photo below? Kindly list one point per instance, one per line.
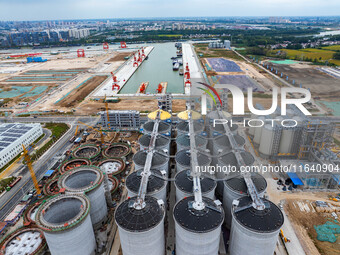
(91, 107)
(80, 93)
(303, 222)
(321, 84)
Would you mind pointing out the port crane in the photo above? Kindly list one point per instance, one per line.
(97, 130)
(30, 168)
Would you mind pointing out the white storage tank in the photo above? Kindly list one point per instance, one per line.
(160, 160)
(141, 231)
(258, 130)
(235, 187)
(156, 185)
(251, 130)
(184, 185)
(268, 136)
(163, 128)
(288, 136)
(87, 180)
(183, 160)
(183, 142)
(67, 225)
(162, 143)
(197, 231)
(254, 231)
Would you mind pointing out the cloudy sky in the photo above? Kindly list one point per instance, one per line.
(89, 9)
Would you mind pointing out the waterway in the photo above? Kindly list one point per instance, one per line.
(158, 68)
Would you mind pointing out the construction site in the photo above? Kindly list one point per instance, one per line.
(139, 175)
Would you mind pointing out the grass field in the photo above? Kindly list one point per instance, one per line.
(178, 36)
(215, 53)
(321, 55)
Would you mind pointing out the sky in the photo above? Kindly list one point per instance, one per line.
(109, 9)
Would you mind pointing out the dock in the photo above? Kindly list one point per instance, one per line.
(165, 86)
(140, 86)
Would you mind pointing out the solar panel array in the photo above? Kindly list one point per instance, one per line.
(9, 133)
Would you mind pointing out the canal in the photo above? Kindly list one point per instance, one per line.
(158, 68)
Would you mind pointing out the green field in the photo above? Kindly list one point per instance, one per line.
(312, 54)
(178, 36)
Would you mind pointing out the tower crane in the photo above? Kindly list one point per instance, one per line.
(97, 130)
(30, 168)
(107, 113)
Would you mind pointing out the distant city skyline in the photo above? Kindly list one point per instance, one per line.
(30, 10)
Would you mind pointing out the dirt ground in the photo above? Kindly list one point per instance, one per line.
(304, 225)
(120, 56)
(90, 107)
(14, 100)
(320, 83)
(80, 93)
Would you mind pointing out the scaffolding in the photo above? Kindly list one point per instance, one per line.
(165, 102)
(120, 120)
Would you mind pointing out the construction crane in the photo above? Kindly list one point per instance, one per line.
(75, 133)
(97, 130)
(30, 168)
(107, 113)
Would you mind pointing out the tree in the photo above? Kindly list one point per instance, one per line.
(336, 55)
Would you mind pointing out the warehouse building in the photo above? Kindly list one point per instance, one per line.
(13, 136)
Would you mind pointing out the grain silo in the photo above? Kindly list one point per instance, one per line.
(254, 231)
(141, 231)
(184, 185)
(30, 241)
(156, 185)
(160, 160)
(270, 136)
(289, 136)
(197, 231)
(162, 143)
(88, 180)
(235, 187)
(67, 225)
(112, 166)
(117, 150)
(251, 129)
(183, 160)
(258, 131)
(222, 144)
(183, 142)
(163, 128)
(183, 127)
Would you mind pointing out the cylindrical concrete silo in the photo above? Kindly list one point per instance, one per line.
(156, 185)
(213, 115)
(141, 231)
(162, 143)
(197, 231)
(67, 225)
(254, 231)
(251, 130)
(30, 241)
(88, 151)
(183, 160)
(183, 142)
(222, 143)
(235, 187)
(184, 185)
(268, 136)
(288, 136)
(160, 161)
(258, 131)
(163, 128)
(88, 180)
(183, 127)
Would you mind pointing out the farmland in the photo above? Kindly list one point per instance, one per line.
(311, 54)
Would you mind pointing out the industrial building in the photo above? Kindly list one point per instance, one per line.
(120, 120)
(13, 136)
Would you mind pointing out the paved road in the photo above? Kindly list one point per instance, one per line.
(11, 198)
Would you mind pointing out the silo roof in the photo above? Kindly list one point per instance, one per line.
(160, 140)
(155, 182)
(238, 184)
(185, 140)
(131, 219)
(184, 126)
(162, 127)
(184, 158)
(163, 115)
(157, 158)
(185, 183)
(185, 115)
(264, 221)
(199, 221)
